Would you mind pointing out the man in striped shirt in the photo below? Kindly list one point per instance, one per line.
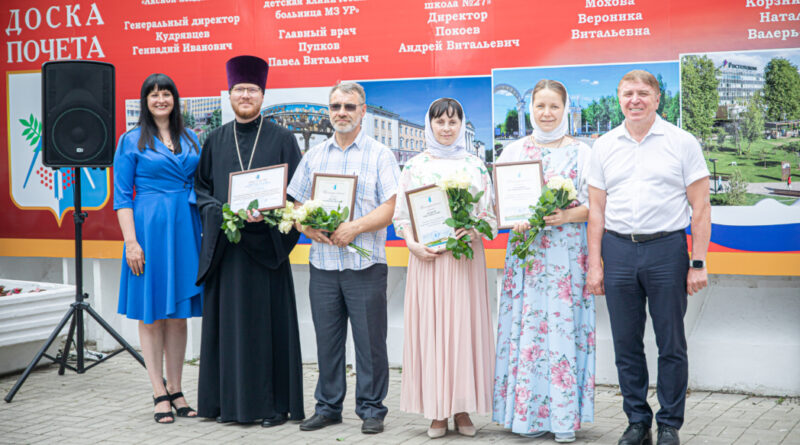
(343, 284)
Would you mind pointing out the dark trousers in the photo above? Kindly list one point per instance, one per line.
(652, 273)
(361, 296)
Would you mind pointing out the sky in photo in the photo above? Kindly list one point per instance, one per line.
(584, 83)
(411, 99)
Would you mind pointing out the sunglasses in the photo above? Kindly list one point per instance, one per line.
(347, 107)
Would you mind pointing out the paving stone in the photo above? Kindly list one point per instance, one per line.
(707, 440)
(112, 404)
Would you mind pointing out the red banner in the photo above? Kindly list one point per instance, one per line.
(314, 43)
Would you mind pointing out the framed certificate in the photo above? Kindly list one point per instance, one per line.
(517, 185)
(429, 209)
(267, 185)
(335, 191)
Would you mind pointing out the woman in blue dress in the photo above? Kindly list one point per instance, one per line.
(154, 168)
(545, 367)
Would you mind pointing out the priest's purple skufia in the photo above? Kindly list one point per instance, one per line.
(247, 69)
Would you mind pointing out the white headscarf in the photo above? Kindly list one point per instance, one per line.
(457, 149)
(559, 132)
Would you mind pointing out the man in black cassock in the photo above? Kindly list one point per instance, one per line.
(250, 363)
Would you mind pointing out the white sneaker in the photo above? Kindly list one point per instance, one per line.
(534, 434)
(565, 437)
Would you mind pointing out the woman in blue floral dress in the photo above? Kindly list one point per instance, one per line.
(545, 366)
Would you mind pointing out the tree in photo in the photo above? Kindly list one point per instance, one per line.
(511, 123)
(751, 122)
(737, 192)
(672, 108)
(188, 119)
(662, 89)
(603, 114)
(215, 120)
(699, 96)
(781, 90)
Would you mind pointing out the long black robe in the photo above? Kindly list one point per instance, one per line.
(250, 362)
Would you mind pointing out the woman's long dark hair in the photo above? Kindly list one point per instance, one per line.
(149, 130)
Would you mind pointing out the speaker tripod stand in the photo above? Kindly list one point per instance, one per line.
(75, 313)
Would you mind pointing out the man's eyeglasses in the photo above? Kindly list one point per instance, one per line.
(240, 91)
(347, 107)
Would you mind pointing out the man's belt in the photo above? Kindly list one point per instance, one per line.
(642, 237)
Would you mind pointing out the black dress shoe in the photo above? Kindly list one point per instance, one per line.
(318, 421)
(636, 434)
(373, 425)
(668, 435)
(220, 420)
(278, 419)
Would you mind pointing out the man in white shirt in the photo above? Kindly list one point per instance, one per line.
(644, 176)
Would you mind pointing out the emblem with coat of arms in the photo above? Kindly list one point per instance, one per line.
(34, 186)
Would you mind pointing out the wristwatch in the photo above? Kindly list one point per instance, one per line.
(697, 264)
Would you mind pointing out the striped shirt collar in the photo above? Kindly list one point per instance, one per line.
(358, 143)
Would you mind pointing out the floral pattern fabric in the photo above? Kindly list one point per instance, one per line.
(545, 364)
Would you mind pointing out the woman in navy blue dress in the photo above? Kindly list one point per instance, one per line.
(154, 168)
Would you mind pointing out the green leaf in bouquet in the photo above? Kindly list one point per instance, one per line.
(477, 197)
(237, 237)
(232, 226)
(484, 228)
(242, 213)
(465, 249)
(229, 235)
(469, 253)
(450, 222)
(345, 213)
(253, 205)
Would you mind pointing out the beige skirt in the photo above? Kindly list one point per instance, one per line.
(448, 352)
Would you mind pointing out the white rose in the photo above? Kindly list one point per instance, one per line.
(299, 213)
(285, 226)
(464, 180)
(311, 205)
(573, 194)
(554, 183)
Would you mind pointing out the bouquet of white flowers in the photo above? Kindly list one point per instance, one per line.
(461, 203)
(233, 221)
(312, 214)
(558, 193)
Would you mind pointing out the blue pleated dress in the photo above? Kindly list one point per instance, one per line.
(167, 229)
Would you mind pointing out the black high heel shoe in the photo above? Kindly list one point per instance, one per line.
(183, 411)
(163, 415)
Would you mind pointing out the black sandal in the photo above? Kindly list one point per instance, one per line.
(163, 415)
(183, 411)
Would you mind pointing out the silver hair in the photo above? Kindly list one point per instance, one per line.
(349, 88)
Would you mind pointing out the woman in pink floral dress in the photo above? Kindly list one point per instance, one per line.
(545, 367)
(448, 352)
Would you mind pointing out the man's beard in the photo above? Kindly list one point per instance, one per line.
(346, 127)
(245, 114)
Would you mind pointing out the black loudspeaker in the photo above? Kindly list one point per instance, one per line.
(78, 114)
